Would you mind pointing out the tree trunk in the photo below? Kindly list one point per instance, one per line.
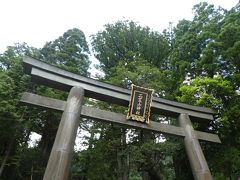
(92, 133)
(32, 173)
(151, 170)
(6, 156)
(49, 132)
(123, 158)
(145, 175)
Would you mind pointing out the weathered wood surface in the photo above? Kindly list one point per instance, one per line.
(195, 154)
(59, 162)
(57, 78)
(97, 114)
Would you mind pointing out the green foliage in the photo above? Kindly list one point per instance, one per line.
(13, 130)
(7, 106)
(219, 94)
(17, 122)
(155, 158)
(139, 72)
(192, 48)
(118, 39)
(207, 92)
(136, 61)
(69, 52)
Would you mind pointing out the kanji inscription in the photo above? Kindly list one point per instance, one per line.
(140, 104)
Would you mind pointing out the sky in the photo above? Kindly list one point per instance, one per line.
(39, 21)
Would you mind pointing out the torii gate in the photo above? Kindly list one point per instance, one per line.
(79, 86)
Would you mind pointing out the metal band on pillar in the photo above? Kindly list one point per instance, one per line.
(59, 162)
(195, 155)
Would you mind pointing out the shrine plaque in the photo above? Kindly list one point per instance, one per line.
(140, 104)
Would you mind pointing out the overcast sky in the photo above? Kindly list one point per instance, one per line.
(38, 21)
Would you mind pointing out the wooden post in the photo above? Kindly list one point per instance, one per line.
(195, 155)
(60, 158)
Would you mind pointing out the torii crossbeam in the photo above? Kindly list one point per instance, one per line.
(59, 161)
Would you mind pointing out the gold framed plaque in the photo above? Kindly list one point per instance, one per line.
(140, 104)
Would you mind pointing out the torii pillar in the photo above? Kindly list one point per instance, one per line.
(195, 154)
(61, 155)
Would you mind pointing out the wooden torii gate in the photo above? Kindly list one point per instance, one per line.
(79, 86)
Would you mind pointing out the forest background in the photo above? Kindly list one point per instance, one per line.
(195, 62)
